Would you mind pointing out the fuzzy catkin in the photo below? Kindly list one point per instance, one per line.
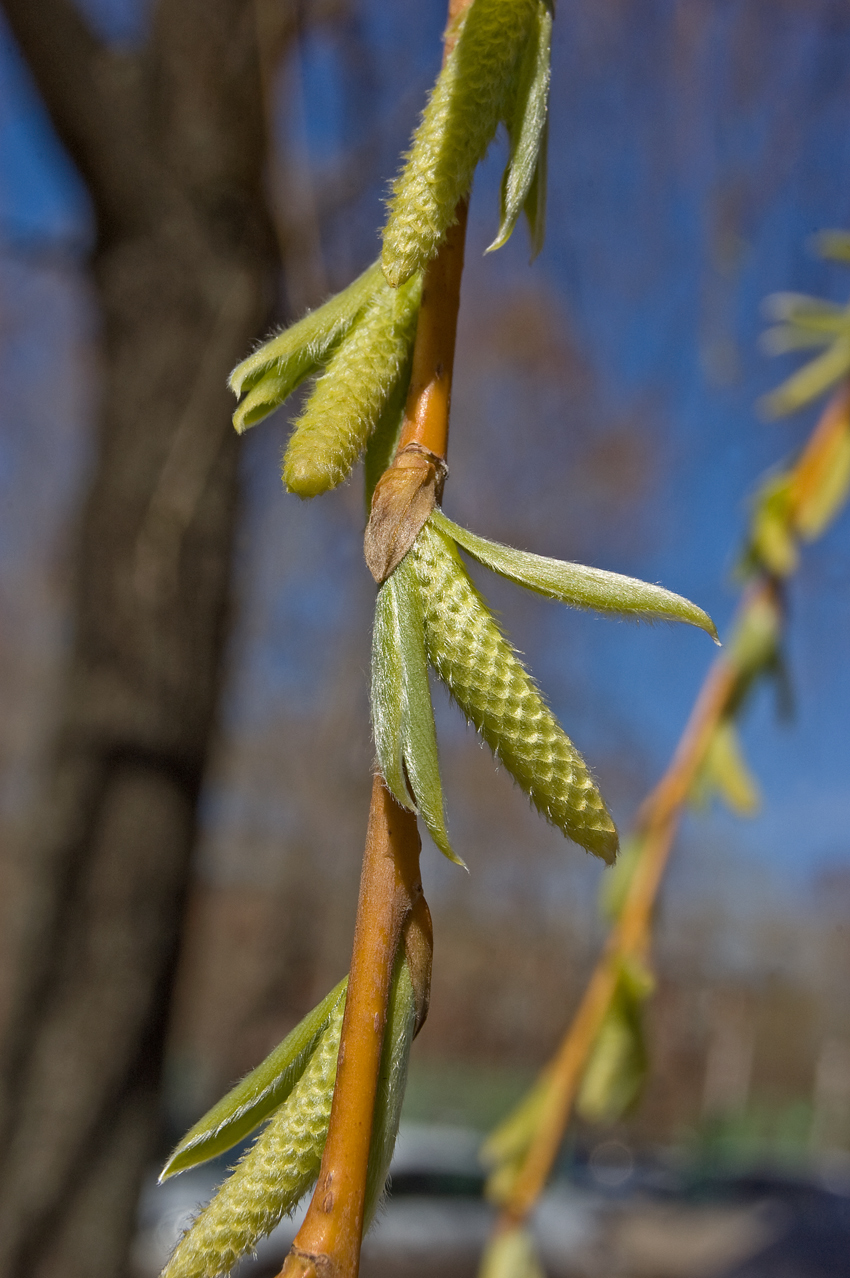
(497, 694)
(270, 1179)
(350, 396)
(467, 102)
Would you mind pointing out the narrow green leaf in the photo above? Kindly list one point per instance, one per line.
(772, 540)
(264, 397)
(783, 339)
(392, 1080)
(299, 350)
(753, 645)
(526, 128)
(419, 735)
(724, 772)
(814, 313)
(271, 1177)
(810, 381)
(834, 245)
(250, 1102)
(535, 202)
(511, 1253)
(618, 1065)
(388, 699)
(575, 584)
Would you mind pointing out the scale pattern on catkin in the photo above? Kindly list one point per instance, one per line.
(468, 101)
(497, 694)
(350, 396)
(270, 1179)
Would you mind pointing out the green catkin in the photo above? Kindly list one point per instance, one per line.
(349, 399)
(499, 697)
(469, 99)
(271, 1178)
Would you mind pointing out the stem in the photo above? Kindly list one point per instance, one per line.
(391, 900)
(328, 1242)
(658, 820)
(426, 413)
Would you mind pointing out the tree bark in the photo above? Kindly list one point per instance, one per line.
(171, 143)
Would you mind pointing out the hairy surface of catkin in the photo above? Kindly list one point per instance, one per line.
(350, 396)
(458, 124)
(497, 694)
(270, 1179)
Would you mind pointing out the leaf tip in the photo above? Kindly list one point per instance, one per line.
(499, 242)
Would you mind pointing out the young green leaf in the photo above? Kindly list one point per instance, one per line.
(402, 713)
(497, 694)
(772, 540)
(468, 101)
(784, 339)
(834, 245)
(753, 645)
(350, 397)
(299, 350)
(811, 380)
(526, 128)
(272, 1176)
(252, 1100)
(575, 584)
(511, 1253)
(388, 698)
(724, 772)
(535, 202)
(511, 1139)
(392, 1081)
(419, 736)
(813, 313)
(618, 1064)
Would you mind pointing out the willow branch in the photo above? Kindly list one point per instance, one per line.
(656, 827)
(328, 1242)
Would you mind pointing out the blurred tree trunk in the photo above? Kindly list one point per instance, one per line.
(171, 143)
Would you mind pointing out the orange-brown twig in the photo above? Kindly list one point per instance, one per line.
(426, 413)
(328, 1242)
